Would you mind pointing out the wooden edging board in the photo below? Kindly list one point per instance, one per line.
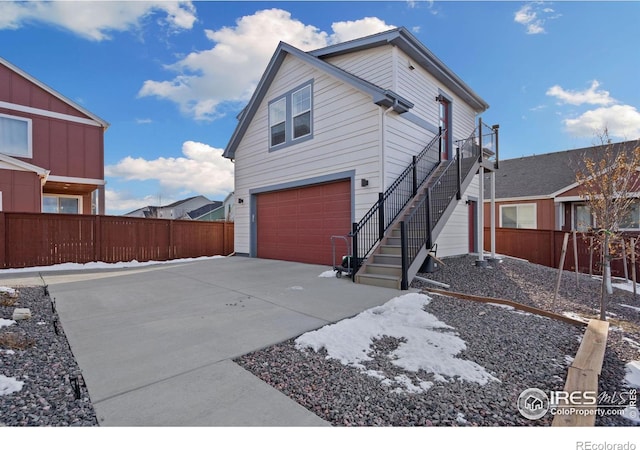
(501, 301)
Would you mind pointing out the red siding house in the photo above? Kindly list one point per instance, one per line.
(540, 192)
(51, 149)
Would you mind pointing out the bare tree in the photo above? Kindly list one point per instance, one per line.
(609, 182)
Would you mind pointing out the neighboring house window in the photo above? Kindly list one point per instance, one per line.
(632, 220)
(62, 204)
(518, 216)
(582, 218)
(15, 136)
(291, 117)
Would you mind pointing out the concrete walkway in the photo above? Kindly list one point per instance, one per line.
(156, 343)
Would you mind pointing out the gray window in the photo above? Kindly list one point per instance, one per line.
(291, 117)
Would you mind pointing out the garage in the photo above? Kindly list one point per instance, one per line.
(297, 224)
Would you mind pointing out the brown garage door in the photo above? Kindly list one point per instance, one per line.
(297, 224)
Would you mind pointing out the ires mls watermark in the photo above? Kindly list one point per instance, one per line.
(534, 403)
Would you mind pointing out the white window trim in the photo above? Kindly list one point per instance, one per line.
(535, 214)
(79, 197)
(29, 135)
(0, 201)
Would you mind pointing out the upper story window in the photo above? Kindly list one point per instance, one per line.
(518, 216)
(291, 117)
(15, 136)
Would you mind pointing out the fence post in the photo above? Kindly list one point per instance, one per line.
(3, 240)
(381, 215)
(428, 213)
(171, 252)
(97, 238)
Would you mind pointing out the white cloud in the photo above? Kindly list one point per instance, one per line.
(621, 121)
(534, 16)
(95, 20)
(202, 170)
(230, 70)
(591, 96)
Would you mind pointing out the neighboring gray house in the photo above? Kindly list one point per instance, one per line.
(326, 147)
(176, 210)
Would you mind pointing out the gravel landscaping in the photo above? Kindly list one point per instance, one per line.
(40, 382)
(520, 350)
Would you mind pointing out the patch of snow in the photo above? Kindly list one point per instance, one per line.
(8, 290)
(103, 265)
(635, 308)
(429, 344)
(296, 288)
(41, 323)
(6, 322)
(406, 385)
(461, 419)
(568, 359)
(631, 342)
(500, 305)
(9, 385)
(8, 352)
(327, 274)
(626, 286)
(574, 316)
(632, 378)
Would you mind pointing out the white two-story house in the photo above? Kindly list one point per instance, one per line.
(349, 140)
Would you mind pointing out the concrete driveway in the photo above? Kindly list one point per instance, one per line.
(156, 344)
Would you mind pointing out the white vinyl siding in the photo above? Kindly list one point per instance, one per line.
(345, 137)
(454, 238)
(374, 65)
(15, 136)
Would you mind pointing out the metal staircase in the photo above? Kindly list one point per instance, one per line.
(391, 255)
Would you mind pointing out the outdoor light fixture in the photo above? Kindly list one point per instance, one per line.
(364, 182)
(240, 201)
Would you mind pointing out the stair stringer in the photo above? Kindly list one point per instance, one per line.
(420, 258)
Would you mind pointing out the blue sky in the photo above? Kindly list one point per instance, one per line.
(170, 77)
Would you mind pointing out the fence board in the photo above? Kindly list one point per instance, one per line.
(34, 239)
(544, 247)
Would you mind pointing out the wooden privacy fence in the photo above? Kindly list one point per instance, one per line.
(545, 247)
(34, 239)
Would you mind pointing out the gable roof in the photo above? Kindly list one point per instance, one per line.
(380, 96)
(407, 42)
(53, 92)
(543, 175)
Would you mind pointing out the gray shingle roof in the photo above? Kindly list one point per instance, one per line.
(542, 175)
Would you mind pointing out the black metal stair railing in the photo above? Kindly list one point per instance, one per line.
(371, 228)
(417, 228)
